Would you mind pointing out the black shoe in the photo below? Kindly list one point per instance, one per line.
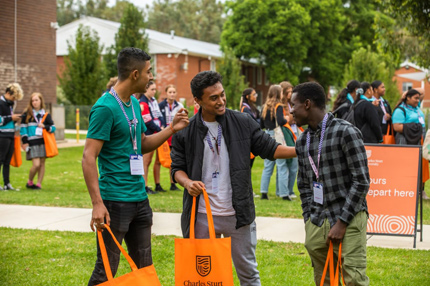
(173, 187)
(150, 191)
(159, 188)
(286, 198)
(30, 186)
(264, 196)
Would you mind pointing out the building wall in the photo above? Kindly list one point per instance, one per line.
(414, 83)
(36, 59)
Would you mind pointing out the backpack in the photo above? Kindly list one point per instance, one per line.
(350, 115)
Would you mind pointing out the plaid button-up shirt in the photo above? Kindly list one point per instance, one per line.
(343, 171)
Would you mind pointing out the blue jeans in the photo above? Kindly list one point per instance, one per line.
(292, 165)
(132, 222)
(281, 174)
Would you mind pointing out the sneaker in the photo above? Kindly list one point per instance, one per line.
(286, 198)
(264, 196)
(173, 187)
(9, 187)
(293, 196)
(37, 187)
(256, 196)
(159, 188)
(1, 189)
(30, 186)
(150, 191)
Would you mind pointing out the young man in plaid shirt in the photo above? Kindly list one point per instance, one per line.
(333, 181)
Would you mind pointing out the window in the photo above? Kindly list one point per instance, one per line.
(259, 75)
(213, 65)
(406, 86)
(154, 65)
(266, 79)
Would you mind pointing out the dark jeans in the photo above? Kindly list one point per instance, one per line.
(6, 152)
(131, 222)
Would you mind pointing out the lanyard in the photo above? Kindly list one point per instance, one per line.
(37, 113)
(308, 144)
(416, 110)
(170, 112)
(133, 140)
(382, 105)
(218, 140)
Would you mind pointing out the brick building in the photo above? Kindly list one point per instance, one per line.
(27, 48)
(176, 60)
(409, 75)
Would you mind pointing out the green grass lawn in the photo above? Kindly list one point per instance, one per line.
(73, 136)
(33, 257)
(64, 186)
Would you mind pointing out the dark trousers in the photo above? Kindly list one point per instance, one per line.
(131, 222)
(7, 147)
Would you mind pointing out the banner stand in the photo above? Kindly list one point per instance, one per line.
(377, 154)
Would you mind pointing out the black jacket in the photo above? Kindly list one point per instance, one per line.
(368, 121)
(381, 115)
(242, 135)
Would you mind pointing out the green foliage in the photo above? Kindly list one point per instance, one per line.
(196, 19)
(366, 65)
(83, 79)
(233, 82)
(131, 33)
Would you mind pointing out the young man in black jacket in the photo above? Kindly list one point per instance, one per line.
(212, 153)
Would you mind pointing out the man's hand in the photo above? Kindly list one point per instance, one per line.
(194, 188)
(16, 117)
(180, 121)
(337, 232)
(99, 215)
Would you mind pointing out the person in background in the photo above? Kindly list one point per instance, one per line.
(112, 81)
(32, 125)
(7, 129)
(366, 115)
(345, 99)
(249, 98)
(169, 107)
(154, 121)
(291, 132)
(272, 116)
(333, 182)
(384, 108)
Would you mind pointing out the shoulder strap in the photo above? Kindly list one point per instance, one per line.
(345, 104)
(44, 116)
(243, 107)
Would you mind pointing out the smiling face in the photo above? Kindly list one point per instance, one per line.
(380, 90)
(142, 77)
(213, 102)
(252, 97)
(413, 100)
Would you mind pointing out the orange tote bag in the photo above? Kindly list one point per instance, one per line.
(389, 138)
(164, 155)
(334, 278)
(203, 261)
(16, 160)
(145, 276)
(49, 140)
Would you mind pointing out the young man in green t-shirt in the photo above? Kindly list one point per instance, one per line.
(116, 138)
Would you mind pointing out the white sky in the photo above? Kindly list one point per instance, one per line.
(143, 3)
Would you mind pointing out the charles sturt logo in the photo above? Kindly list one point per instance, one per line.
(203, 265)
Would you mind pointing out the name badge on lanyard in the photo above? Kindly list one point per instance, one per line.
(136, 160)
(421, 119)
(39, 131)
(318, 190)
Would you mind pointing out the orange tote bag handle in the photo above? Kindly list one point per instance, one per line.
(209, 215)
(334, 278)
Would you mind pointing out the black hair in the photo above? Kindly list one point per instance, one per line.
(130, 59)
(376, 83)
(203, 80)
(351, 86)
(409, 94)
(365, 86)
(312, 91)
(254, 109)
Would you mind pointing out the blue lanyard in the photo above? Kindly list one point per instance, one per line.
(218, 140)
(133, 140)
(414, 110)
(308, 144)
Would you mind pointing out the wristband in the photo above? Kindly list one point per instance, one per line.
(173, 130)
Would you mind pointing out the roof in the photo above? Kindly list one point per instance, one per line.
(159, 43)
(418, 76)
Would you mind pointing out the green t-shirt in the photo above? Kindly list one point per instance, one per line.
(108, 123)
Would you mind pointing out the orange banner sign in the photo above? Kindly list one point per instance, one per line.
(392, 196)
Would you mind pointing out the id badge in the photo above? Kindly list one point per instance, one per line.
(39, 131)
(318, 193)
(384, 121)
(421, 119)
(215, 177)
(136, 164)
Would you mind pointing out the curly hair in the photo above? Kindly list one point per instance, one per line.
(15, 90)
(203, 80)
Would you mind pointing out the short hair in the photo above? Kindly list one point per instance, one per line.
(15, 90)
(203, 80)
(312, 91)
(130, 59)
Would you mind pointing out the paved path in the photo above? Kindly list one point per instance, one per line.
(268, 228)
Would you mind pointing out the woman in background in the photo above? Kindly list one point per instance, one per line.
(345, 99)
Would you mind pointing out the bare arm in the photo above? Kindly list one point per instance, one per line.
(285, 152)
(89, 168)
(194, 188)
(152, 142)
(398, 127)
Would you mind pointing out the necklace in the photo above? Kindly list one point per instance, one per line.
(126, 105)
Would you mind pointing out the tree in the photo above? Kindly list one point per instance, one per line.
(131, 33)
(366, 65)
(83, 79)
(233, 82)
(196, 19)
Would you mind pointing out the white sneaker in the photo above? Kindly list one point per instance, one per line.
(9, 187)
(293, 196)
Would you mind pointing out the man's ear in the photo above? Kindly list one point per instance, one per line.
(134, 75)
(308, 104)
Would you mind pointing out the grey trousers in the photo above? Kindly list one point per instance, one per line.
(243, 245)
